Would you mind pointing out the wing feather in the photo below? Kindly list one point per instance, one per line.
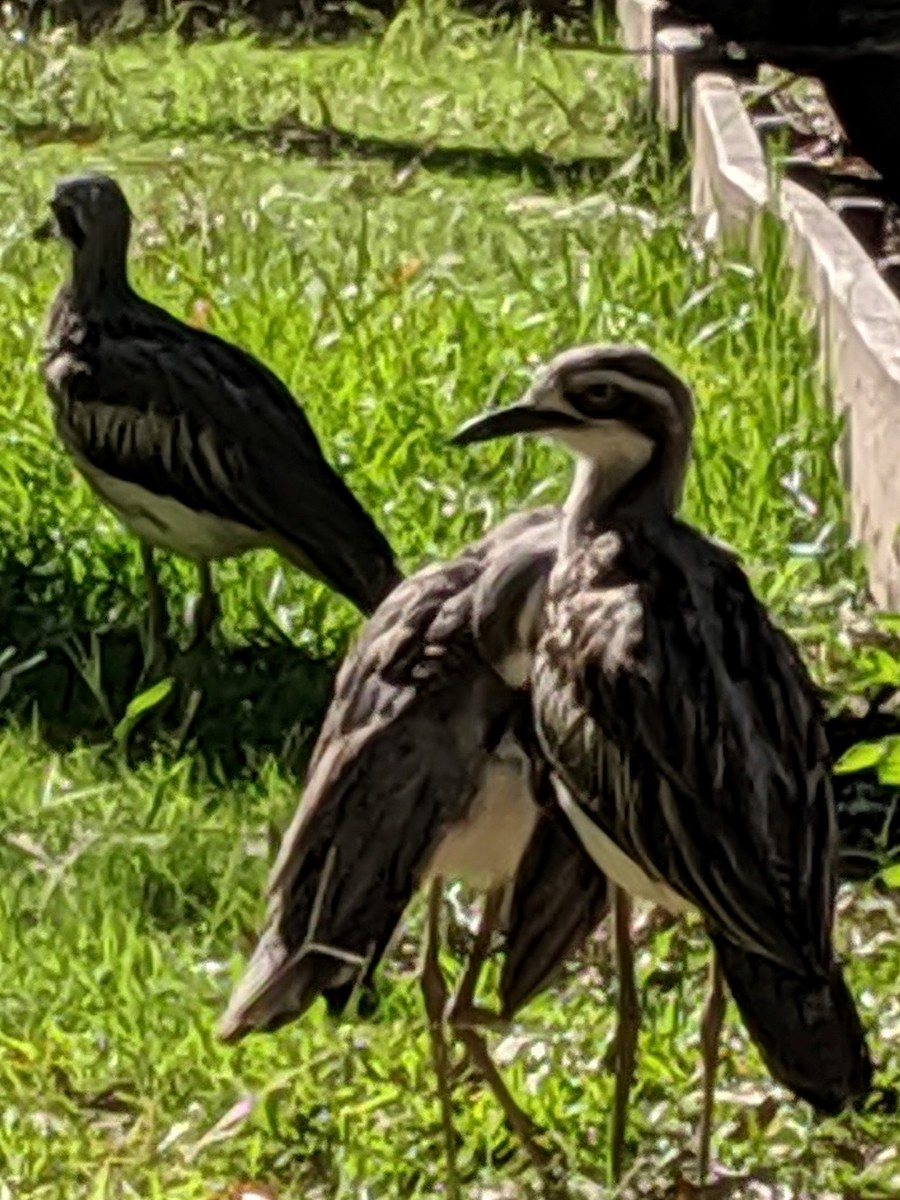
(192, 418)
(416, 715)
(687, 727)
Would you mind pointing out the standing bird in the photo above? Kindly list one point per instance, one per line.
(194, 444)
(684, 734)
(425, 769)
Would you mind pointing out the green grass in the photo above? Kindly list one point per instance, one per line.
(400, 228)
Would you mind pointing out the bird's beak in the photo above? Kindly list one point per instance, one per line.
(522, 417)
(47, 230)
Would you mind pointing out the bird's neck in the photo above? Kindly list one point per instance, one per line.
(606, 491)
(98, 278)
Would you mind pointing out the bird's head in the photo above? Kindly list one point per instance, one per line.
(87, 209)
(618, 407)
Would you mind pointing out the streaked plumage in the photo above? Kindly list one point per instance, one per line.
(551, 916)
(685, 737)
(424, 770)
(193, 443)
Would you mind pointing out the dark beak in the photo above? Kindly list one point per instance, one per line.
(45, 232)
(504, 422)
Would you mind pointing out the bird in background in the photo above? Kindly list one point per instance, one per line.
(851, 46)
(685, 738)
(194, 444)
(424, 771)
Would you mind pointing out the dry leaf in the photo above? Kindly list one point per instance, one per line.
(199, 316)
(405, 272)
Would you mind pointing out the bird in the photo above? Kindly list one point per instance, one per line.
(684, 736)
(851, 46)
(424, 770)
(194, 444)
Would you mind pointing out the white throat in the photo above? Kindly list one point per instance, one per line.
(607, 457)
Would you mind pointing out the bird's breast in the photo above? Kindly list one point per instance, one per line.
(487, 845)
(614, 862)
(168, 524)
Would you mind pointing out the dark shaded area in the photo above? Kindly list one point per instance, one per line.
(801, 34)
(327, 142)
(303, 20)
(868, 811)
(852, 46)
(865, 95)
(73, 680)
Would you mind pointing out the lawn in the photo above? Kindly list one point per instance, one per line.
(400, 227)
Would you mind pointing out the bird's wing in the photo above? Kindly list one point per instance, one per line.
(416, 713)
(685, 725)
(398, 762)
(192, 418)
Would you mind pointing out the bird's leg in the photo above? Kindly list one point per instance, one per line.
(158, 621)
(434, 992)
(464, 1011)
(710, 1029)
(659, 919)
(466, 1019)
(628, 1026)
(207, 610)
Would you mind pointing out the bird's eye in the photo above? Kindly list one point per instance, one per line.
(592, 401)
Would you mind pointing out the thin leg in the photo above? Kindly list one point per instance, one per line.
(657, 920)
(627, 1031)
(517, 1119)
(158, 616)
(464, 1010)
(465, 1017)
(207, 610)
(710, 1029)
(434, 991)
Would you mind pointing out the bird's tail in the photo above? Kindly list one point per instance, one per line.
(365, 572)
(277, 987)
(342, 545)
(806, 1028)
(287, 973)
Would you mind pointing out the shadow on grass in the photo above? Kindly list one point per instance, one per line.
(299, 21)
(232, 705)
(327, 143)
